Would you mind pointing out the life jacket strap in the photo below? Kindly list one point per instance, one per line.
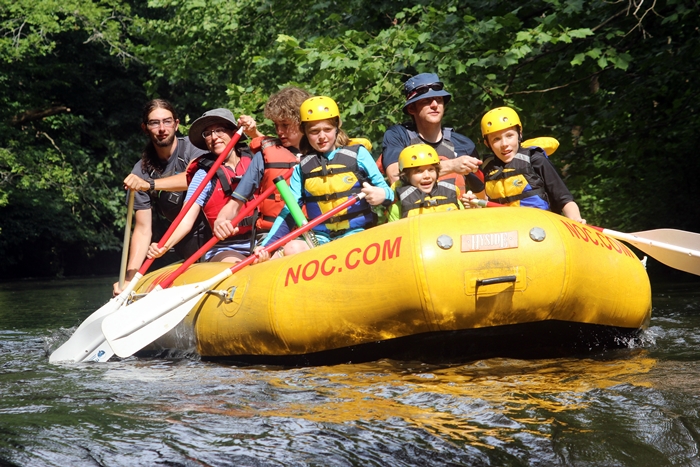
(332, 196)
(523, 195)
(279, 165)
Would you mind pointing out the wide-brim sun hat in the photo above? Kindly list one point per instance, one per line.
(424, 86)
(223, 116)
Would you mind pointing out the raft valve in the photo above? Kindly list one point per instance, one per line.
(444, 242)
(537, 234)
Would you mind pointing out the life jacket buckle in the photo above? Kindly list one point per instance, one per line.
(329, 197)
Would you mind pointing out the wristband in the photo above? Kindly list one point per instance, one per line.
(152, 183)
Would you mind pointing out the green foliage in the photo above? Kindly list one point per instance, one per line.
(63, 131)
(615, 83)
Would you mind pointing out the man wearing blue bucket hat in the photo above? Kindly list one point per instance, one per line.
(426, 99)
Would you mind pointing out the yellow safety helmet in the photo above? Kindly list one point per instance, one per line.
(417, 155)
(318, 108)
(498, 119)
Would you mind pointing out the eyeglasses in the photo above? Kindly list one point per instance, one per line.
(166, 122)
(423, 88)
(206, 134)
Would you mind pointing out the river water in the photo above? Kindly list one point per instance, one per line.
(631, 407)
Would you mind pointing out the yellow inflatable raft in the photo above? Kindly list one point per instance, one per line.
(437, 287)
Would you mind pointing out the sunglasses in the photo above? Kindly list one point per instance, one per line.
(424, 88)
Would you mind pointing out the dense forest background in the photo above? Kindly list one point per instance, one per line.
(616, 82)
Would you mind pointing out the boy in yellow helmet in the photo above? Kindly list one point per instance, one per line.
(518, 176)
(418, 191)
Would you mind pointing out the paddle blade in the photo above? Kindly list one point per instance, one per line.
(137, 325)
(679, 238)
(674, 248)
(140, 338)
(86, 345)
(688, 260)
(87, 338)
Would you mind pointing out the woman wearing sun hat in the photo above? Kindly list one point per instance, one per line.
(213, 131)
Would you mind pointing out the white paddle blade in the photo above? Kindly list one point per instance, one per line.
(144, 313)
(84, 345)
(86, 342)
(140, 338)
(676, 256)
(688, 261)
(680, 238)
(111, 306)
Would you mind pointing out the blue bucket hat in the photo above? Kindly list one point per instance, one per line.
(424, 86)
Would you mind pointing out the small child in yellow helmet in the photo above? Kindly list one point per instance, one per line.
(520, 176)
(418, 191)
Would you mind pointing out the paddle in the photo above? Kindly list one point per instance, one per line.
(86, 342)
(674, 248)
(294, 209)
(486, 204)
(127, 236)
(248, 208)
(137, 325)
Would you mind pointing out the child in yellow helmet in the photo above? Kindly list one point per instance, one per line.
(330, 172)
(418, 190)
(521, 176)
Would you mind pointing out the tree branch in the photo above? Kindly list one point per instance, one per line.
(37, 114)
(536, 91)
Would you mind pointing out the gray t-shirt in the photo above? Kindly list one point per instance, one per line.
(178, 162)
(168, 204)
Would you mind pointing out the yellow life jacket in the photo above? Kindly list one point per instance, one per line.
(443, 197)
(328, 183)
(515, 183)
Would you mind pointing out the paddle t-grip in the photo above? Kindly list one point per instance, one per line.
(289, 200)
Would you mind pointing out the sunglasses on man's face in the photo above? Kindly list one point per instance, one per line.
(424, 88)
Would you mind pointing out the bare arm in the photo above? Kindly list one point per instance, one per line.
(174, 183)
(180, 231)
(459, 165)
(222, 226)
(572, 211)
(392, 172)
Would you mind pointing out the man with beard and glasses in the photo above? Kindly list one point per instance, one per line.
(160, 183)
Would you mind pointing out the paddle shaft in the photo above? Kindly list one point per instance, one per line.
(183, 212)
(247, 209)
(127, 236)
(486, 204)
